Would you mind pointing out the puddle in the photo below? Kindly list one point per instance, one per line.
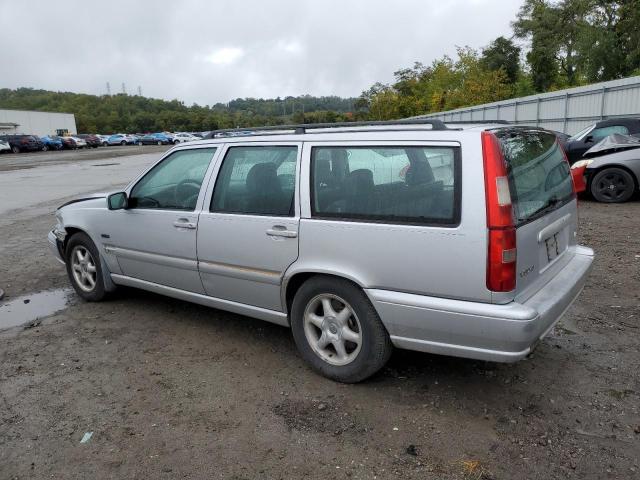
(32, 307)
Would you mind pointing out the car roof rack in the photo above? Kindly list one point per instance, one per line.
(477, 122)
(302, 128)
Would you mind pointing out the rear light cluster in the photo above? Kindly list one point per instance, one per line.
(501, 257)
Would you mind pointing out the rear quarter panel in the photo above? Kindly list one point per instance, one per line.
(427, 260)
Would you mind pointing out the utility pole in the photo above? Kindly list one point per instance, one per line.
(139, 91)
(108, 89)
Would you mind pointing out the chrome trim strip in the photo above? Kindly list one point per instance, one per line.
(243, 273)
(553, 227)
(272, 316)
(176, 262)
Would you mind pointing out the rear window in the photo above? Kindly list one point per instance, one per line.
(418, 185)
(539, 176)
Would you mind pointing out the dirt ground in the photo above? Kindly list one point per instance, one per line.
(175, 390)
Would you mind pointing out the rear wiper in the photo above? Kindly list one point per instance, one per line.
(547, 207)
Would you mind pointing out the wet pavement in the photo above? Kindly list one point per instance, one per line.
(25, 188)
(33, 307)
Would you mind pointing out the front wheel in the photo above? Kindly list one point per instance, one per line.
(337, 330)
(84, 268)
(45, 148)
(613, 185)
(159, 142)
(15, 149)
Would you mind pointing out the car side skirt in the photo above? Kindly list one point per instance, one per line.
(272, 316)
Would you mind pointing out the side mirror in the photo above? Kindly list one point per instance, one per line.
(589, 139)
(117, 201)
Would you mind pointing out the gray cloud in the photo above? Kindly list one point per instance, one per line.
(209, 52)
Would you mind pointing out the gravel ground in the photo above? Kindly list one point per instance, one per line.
(175, 390)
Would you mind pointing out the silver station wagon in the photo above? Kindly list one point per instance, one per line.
(449, 239)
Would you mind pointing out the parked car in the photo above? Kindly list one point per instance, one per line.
(156, 139)
(582, 141)
(184, 137)
(51, 143)
(122, 139)
(92, 141)
(4, 146)
(80, 142)
(104, 140)
(459, 242)
(22, 143)
(68, 143)
(611, 170)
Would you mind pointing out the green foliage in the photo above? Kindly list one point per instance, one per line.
(503, 54)
(568, 43)
(444, 85)
(128, 113)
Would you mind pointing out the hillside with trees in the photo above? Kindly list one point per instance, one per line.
(555, 44)
(133, 113)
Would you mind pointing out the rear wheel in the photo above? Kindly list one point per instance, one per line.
(84, 268)
(337, 330)
(159, 142)
(45, 148)
(15, 149)
(123, 143)
(613, 185)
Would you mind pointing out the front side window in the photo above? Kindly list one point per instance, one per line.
(393, 184)
(173, 184)
(600, 133)
(256, 180)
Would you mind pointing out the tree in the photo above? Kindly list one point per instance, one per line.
(503, 54)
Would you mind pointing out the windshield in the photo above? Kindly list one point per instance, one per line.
(581, 133)
(539, 176)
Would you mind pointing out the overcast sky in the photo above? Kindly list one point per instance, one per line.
(214, 51)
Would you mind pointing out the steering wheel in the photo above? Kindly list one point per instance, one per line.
(186, 191)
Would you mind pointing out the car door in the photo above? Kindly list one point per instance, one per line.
(248, 229)
(154, 238)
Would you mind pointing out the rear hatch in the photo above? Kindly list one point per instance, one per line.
(544, 206)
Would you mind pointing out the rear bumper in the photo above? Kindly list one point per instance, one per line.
(483, 331)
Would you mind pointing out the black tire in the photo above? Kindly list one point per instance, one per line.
(15, 149)
(613, 185)
(159, 143)
(176, 142)
(376, 346)
(81, 240)
(45, 148)
(123, 143)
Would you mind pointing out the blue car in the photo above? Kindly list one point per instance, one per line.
(51, 143)
(157, 139)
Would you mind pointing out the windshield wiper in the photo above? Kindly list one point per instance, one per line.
(551, 204)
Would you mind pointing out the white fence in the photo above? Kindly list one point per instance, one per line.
(567, 111)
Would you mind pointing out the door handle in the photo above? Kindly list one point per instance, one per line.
(281, 231)
(184, 223)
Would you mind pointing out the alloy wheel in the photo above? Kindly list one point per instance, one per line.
(613, 186)
(84, 268)
(332, 329)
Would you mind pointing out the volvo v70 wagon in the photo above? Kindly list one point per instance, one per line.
(360, 237)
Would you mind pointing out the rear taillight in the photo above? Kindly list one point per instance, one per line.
(501, 257)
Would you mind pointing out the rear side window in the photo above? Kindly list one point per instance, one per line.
(419, 185)
(539, 176)
(257, 181)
